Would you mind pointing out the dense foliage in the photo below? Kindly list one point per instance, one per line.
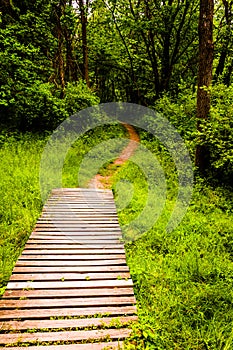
(58, 57)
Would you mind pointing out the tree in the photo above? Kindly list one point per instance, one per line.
(40, 84)
(160, 41)
(224, 42)
(206, 55)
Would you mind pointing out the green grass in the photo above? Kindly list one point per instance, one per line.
(20, 196)
(183, 279)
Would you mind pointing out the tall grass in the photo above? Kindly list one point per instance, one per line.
(184, 279)
(19, 196)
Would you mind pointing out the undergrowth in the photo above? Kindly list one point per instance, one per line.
(183, 279)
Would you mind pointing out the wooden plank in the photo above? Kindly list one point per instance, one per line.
(91, 346)
(89, 211)
(71, 236)
(106, 205)
(86, 245)
(68, 213)
(81, 201)
(70, 251)
(85, 207)
(51, 276)
(78, 200)
(80, 234)
(79, 190)
(83, 229)
(77, 223)
(77, 220)
(70, 257)
(103, 207)
(61, 293)
(70, 244)
(73, 239)
(65, 312)
(77, 228)
(67, 323)
(77, 269)
(74, 242)
(71, 199)
(70, 284)
(65, 336)
(78, 216)
(66, 302)
(68, 216)
(104, 262)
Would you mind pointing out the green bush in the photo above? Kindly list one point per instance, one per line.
(39, 106)
(217, 130)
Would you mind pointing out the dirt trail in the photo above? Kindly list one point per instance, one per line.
(100, 181)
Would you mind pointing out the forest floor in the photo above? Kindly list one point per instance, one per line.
(100, 181)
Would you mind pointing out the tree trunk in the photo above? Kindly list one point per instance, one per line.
(84, 41)
(206, 52)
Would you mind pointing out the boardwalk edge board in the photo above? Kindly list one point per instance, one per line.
(71, 286)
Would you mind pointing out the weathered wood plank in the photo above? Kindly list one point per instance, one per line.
(70, 251)
(77, 251)
(66, 269)
(75, 221)
(64, 312)
(66, 302)
(70, 244)
(72, 227)
(51, 276)
(76, 262)
(83, 229)
(70, 284)
(65, 336)
(67, 323)
(90, 346)
(85, 245)
(70, 257)
(73, 238)
(82, 234)
(89, 211)
(99, 201)
(79, 215)
(81, 224)
(61, 293)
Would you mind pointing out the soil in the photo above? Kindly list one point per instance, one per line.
(104, 182)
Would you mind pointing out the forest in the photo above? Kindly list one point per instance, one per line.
(175, 57)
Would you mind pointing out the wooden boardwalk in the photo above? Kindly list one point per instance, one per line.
(71, 287)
